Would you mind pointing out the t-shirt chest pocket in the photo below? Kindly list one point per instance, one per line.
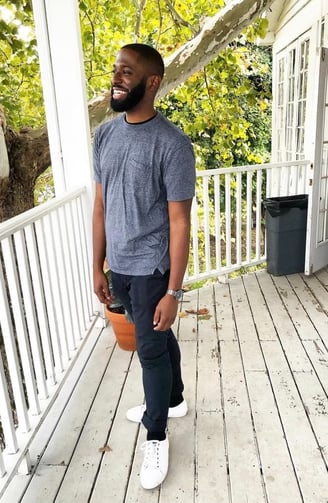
(139, 172)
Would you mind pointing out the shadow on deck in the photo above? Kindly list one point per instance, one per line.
(256, 381)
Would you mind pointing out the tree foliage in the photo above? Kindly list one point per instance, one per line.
(225, 109)
(21, 91)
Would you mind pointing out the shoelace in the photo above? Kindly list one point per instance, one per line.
(151, 448)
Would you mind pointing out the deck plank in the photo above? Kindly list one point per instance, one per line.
(224, 316)
(211, 478)
(114, 473)
(246, 473)
(186, 328)
(322, 276)
(256, 381)
(179, 484)
(318, 289)
(250, 348)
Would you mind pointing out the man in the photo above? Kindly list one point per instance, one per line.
(145, 182)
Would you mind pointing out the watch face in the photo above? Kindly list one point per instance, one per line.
(178, 294)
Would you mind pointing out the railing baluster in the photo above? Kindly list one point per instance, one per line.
(77, 285)
(56, 278)
(7, 420)
(8, 335)
(249, 205)
(80, 257)
(35, 267)
(2, 466)
(195, 242)
(75, 304)
(217, 221)
(62, 287)
(206, 222)
(46, 265)
(258, 225)
(14, 260)
(227, 218)
(86, 259)
(29, 305)
(239, 218)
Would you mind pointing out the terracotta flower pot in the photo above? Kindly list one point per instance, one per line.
(123, 329)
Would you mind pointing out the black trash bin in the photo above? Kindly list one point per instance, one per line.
(286, 219)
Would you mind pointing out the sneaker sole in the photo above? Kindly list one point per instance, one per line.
(172, 414)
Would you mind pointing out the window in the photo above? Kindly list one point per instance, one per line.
(301, 98)
(292, 77)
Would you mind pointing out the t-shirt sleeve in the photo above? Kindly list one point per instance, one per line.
(180, 174)
(96, 155)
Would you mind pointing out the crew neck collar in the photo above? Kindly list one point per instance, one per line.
(140, 123)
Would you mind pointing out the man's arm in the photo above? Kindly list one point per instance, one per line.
(179, 218)
(100, 283)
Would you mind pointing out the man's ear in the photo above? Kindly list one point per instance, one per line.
(154, 81)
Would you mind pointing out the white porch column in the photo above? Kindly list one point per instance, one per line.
(62, 71)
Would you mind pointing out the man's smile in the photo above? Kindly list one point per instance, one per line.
(118, 92)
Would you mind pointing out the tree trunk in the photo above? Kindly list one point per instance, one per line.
(28, 150)
(29, 156)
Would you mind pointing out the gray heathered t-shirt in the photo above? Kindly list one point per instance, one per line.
(141, 167)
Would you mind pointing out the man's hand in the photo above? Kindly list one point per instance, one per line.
(101, 289)
(165, 313)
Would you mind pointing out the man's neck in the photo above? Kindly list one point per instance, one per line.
(136, 116)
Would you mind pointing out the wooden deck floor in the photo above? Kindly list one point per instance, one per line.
(256, 381)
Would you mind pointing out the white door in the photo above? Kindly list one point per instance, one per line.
(317, 228)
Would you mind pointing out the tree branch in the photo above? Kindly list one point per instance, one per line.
(140, 8)
(208, 89)
(178, 19)
(160, 21)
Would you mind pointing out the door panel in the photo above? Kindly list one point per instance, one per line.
(317, 230)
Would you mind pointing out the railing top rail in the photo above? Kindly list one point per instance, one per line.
(20, 221)
(252, 167)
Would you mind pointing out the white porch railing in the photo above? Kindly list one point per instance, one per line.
(45, 313)
(46, 293)
(228, 231)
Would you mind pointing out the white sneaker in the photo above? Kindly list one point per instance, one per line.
(135, 413)
(155, 464)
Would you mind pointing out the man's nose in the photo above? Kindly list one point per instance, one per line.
(117, 77)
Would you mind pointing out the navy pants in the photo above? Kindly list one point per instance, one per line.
(158, 352)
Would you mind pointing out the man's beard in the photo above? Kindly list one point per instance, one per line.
(132, 99)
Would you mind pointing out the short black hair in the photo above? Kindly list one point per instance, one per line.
(150, 55)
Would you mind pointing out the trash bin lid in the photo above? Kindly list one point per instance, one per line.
(277, 205)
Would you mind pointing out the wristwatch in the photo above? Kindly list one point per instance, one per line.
(175, 293)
